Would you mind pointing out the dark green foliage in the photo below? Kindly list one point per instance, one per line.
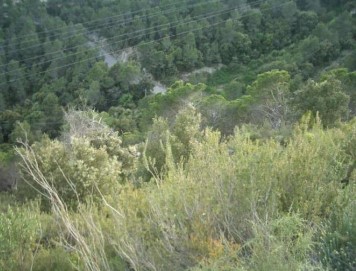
(18, 238)
(338, 239)
(326, 98)
(245, 164)
(250, 38)
(56, 259)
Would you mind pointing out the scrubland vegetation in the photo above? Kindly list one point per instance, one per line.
(251, 167)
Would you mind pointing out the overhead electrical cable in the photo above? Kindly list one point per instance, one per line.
(143, 31)
(111, 17)
(106, 99)
(70, 48)
(106, 26)
(121, 50)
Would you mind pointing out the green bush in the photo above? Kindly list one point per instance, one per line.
(54, 259)
(19, 232)
(234, 204)
(75, 171)
(284, 243)
(338, 238)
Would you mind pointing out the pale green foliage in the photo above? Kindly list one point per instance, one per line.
(281, 244)
(180, 136)
(234, 204)
(195, 211)
(22, 131)
(198, 211)
(89, 125)
(54, 259)
(338, 235)
(51, 254)
(18, 232)
(186, 132)
(76, 171)
(310, 170)
(338, 250)
(156, 139)
(205, 195)
(30, 240)
(91, 160)
(284, 243)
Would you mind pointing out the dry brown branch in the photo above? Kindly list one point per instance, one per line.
(91, 251)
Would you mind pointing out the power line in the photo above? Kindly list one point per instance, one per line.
(211, 15)
(120, 22)
(115, 16)
(96, 20)
(70, 48)
(160, 27)
(105, 99)
(92, 58)
(149, 42)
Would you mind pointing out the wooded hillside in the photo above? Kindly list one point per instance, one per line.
(177, 135)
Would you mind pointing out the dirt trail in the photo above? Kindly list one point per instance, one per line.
(111, 58)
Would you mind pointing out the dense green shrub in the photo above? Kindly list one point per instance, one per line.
(197, 210)
(56, 259)
(89, 159)
(338, 237)
(19, 234)
(75, 171)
